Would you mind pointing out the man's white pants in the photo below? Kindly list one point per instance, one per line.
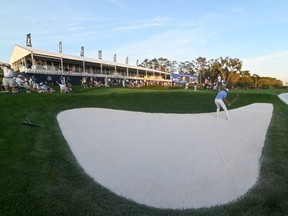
(220, 103)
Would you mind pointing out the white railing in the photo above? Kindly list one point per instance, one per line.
(52, 70)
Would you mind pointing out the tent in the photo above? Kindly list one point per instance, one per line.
(183, 78)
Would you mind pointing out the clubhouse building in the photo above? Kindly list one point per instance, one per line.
(34, 62)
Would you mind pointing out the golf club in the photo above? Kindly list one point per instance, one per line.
(234, 100)
(29, 122)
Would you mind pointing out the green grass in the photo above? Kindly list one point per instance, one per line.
(40, 176)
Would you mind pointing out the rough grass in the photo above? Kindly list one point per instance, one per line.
(40, 176)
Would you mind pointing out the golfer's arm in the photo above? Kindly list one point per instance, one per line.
(226, 101)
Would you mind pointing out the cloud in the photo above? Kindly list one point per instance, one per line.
(237, 10)
(179, 45)
(118, 4)
(268, 65)
(156, 21)
(76, 28)
(267, 58)
(269, 1)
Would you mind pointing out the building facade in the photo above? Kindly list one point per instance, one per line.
(33, 61)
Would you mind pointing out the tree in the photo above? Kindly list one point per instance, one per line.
(234, 80)
(200, 64)
(213, 68)
(186, 67)
(245, 80)
(268, 82)
(172, 66)
(255, 79)
(162, 64)
(146, 63)
(228, 68)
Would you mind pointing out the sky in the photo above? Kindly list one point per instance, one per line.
(254, 31)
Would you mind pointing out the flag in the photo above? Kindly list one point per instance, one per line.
(82, 51)
(28, 40)
(137, 62)
(100, 54)
(60, 46)
(127, 60)
(115, 58)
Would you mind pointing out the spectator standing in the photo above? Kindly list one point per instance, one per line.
(63, 87)
(62, 80)
(84, 82)
(8, 79)
(50, 81)
(91, 81)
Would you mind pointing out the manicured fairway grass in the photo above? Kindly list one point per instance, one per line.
(40, 176)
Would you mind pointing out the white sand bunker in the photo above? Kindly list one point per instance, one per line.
(169, 160)
(284, 97)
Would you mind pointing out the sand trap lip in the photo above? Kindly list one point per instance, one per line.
(284, 97)
(169, 160)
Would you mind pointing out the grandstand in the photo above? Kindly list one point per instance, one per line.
(36, 62)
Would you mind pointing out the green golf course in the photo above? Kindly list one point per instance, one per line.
(40, 176)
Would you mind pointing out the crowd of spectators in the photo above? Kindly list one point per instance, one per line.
(28, 84)
(110, 82)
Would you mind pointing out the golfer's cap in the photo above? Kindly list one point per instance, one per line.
(226, 89)
(8, 65)
(20, 76)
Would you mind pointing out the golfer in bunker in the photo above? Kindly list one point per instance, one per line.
(220, 100)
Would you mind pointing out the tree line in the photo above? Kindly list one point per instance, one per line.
(230, 70)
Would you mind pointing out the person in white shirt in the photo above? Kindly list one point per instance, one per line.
(63, 87)
(8, 79)
(21, 82)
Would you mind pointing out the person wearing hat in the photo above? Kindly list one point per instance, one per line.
(20, 81)
(8, 79)
(220, 101)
